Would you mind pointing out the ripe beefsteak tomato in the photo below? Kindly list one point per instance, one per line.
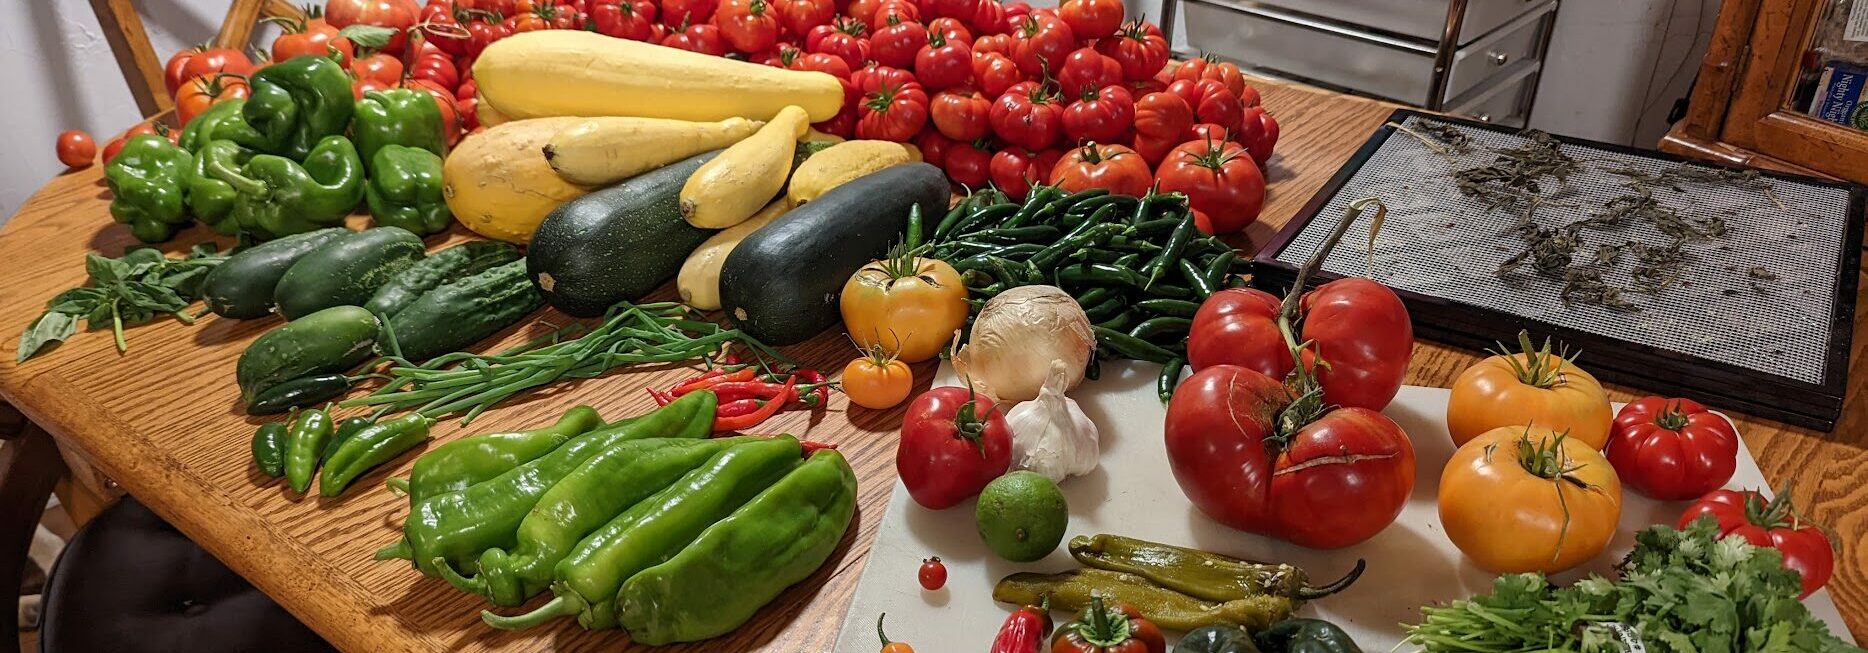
(953, 443)
(1772, 523)
(1360, 329)
(1672, 449)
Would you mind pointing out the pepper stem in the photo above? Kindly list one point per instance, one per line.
(476, 585)
(398, 551)
(1096, 626)
(565, 604)
(1307, 593)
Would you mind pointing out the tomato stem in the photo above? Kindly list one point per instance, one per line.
(1538, 368)
(1673, 418)
(1303, 380)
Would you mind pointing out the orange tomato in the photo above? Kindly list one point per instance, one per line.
(877, 380)
(1524, 498)
(1531, 387)
(196, 95)
(907, 306)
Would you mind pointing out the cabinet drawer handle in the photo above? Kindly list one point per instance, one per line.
(1498, 58)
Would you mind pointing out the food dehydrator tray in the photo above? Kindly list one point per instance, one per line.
(1757, 319)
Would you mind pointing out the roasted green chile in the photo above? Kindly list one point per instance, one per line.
(371, 446)
(1201, 574)
(1071, 591)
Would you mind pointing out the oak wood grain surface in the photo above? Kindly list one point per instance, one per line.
(163, 421)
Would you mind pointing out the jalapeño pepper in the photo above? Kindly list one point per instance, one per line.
(304, 444)
(342, 433)
(148, 187)
(269, 449)
(373, 445)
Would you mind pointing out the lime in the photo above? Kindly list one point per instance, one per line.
(1022, 516)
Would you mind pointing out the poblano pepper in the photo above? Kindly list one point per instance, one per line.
(398, 116)
(200, 131)
(1217, 638)
(1305, 636)
(404, 190)
(280, 197)
(294, 105)
(211, 200)
(149, 185)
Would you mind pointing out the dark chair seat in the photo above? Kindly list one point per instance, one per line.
(130, 583)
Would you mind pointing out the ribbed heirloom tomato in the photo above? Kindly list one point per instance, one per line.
(1101, 117)
(801, 16)
(1029, 116)
(1672, 449)
(748, 25)
(844, 41)
(994, 72)
(906, 306)
(1113, 167)
(197, 94)
(1222, 184)
(893, 113)
(1533, 387)
(1041, 43)
(1086, 70)
(1211, 102)
(1772, 523)
(312, 36)
(1138, 47)
(961, 114)
(896, 42)
(1091, 19)
(398, 15)
(1209, 67)
(1358, 327)
(1518, 499)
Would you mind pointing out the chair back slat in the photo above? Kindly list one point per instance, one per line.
(143, 68)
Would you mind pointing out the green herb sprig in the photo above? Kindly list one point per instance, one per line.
(123, 292)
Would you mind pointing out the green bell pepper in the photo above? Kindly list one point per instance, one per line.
(211, 200)
(149, 185)
(294, 105)
(405, 191)
(200, 131)
(1306, 636)
(398, 116)
(280, 197)
(1217, 638)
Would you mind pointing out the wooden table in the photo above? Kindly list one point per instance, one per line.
(163, 421)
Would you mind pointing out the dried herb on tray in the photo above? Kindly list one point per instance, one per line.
(123, 292)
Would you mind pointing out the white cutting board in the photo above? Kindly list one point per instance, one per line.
(1410, 564)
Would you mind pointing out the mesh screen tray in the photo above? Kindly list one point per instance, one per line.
(1750, 309)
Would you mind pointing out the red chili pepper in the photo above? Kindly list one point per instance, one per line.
(661, 398)
(757, 417)
(729, 359)
(812, 446)
(711, 379)
(737, 408)
(1025, 630)
(816, 398)
(737, 390)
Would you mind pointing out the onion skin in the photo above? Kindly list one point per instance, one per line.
(1018, 334)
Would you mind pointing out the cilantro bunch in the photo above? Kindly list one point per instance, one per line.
(1681, 591)
(123, 292)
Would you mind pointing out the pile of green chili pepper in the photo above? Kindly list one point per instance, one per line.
(1138, 266)
(337, 453)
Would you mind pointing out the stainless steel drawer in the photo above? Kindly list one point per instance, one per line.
(1421, 19)
(1504, 101)
(1259, 35)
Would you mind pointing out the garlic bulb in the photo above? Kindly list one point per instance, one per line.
(1051, 435)
(1017, 336)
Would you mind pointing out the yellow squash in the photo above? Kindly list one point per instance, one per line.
(577, 73)
(842, 162)
(498, 184)
(699, 280)
(603, 151)
(730, 188)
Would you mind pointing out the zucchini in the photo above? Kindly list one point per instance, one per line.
(698, 283)
(781, 283)
(445, 267)
(328, 341)
(346, 271)
(615, 244)
(241, 287)
(453, 316)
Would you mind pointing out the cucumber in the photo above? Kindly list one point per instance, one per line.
(459, 314)
(241, 287)
(615, 244)
(328, 341)
(780, 285)
(346, 271)
(445, 267)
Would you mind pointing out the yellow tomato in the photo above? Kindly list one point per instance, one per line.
(909, 307)
(1518, 499)
(1530, 387)
(877, 381)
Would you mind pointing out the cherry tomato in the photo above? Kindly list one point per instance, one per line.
(1222, 184)
(311, 36)
(944, 63)
(799, 17)
(76, 149)
(1091, 19)
(111, 148)
(1772, 523)
(1100, 117)
(933, 574)
(1139, 48)
(1113, 167)
(1211, 101)
(1672, 449)
(894, 112)
(969, 164)
(896, 43)
(1015, 170)
(197, 61)
(1041, 44)
(1523, 498)
(748, 25)
(962, 114)
(1028, 116)
(688, 12)
(202, 92)
(877, 381)
(995, 73)
(954, 441)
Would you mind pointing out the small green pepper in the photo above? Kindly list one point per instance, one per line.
(210, 199)
(342, 433)
(269, 448)
(405, 190)
(280, 197)
(148, 185)
(200, 131)
(1306, 636)
(373, 445)
(295, 105)
(1217, 638)
(304, 443)
(398, 116)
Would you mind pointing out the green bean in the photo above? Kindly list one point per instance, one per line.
(1172, 252)
(1217, 269)
(1156, 326)
(1169, 378)
(1195, 278)
(1128, 346)
(913, 237)
(1171, 307)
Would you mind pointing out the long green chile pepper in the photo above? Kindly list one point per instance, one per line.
(1121, 322)
(1159, 326)
(1073, 590)
(299, 392)
(984, 215)
(1195, 277)
(342, 433)
(798, 521)
(1217, 269)
(1087, 206)
(1153, 227)
(1169, 307)
(654, 530)
(1170, 291)
(1034, 233)
(1104, 310)
(456, 465)
(953, 217)
(1127, 346)
(458, 526)
(374, 445)
(1202, 574)
(304, 443)
(269, 448)
(1092, 231)
(913, 233)
(1093, 296)
(1039, 197)
(1171, 253)
(1169, 378)
(601, 489)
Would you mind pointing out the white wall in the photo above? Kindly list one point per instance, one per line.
(1615, 67)
(59, 73)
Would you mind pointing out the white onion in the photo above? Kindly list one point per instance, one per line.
(1016, 337)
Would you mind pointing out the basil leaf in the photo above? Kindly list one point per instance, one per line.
(105, 270)
(139, 260)
(153, 297)
(187, 282)
(203, 250)
(99, 318)
(49, 328)
(76, 301)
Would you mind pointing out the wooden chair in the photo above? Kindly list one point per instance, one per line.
(142, 66)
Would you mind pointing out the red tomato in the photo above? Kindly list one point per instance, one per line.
(822, 63)
(843, 124)
(398, 15)
(1206, 131)
(76, 149)
(845, 42)
(1360, 328)
(1339, 479)
(958, 9)
(1101, 117)
(953, 443)
(1773, 524)
(1086, 71)
(1209, 67)
(443, 26)
(1154, 149)
(468, 108)
(111, 148)
(1258, 132)
(1210, 100)
(1672, 449)
(894, 112)
(1114, 167)
(197, 61)
(1163, 115)
(861, 11)
(1091, 19)
(995, 73)
(995, 44)
(483, 34)
(1028, 116)
(961, 114)
(1221, 182)
(932, 575)
(951, 29)
(1014, 13)
(1015, 170)
(440, 70)
(380, 67)
(892, 11)
(988, 17)
(801, 16)
(944, 63)
(310, 36)
(703, 38)
(197, 94)
(897, 41)
(625, 19)
(1041, 44)
(874, 78)
(1139, 48)
(969, 164)
(748, 25)
(689, 12)
(933, 147)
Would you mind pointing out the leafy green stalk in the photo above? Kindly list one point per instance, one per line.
(123, 292)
